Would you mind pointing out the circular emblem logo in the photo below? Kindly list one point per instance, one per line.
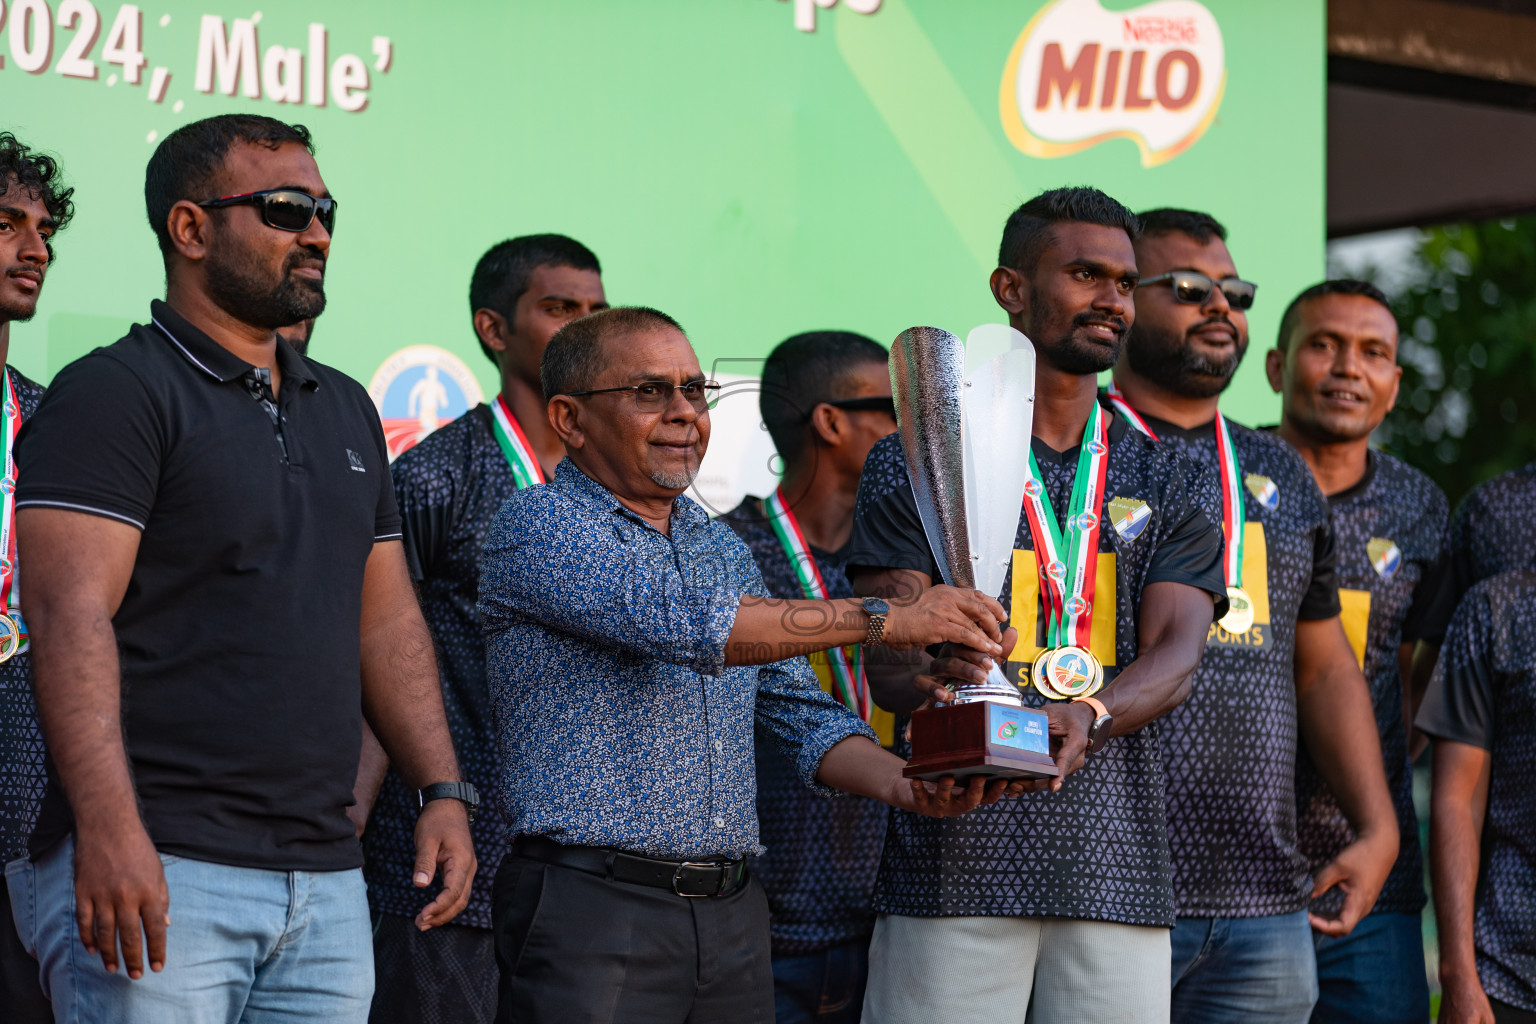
(1096, 448)
(1056, 570)
(1032, 488)
(1008, 730)
(1087, 521)
(7, 485)
(1077, 606)
(418, 389)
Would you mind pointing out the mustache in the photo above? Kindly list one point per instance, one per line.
(24, 268)
(1115, 323)
(1219, 318)
(308, 256)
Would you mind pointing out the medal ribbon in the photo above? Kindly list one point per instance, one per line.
(10, 592)
(847, 668)
(1232, 512)
(519, 453)
(1067, 585)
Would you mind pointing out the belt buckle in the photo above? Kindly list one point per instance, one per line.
(677, 877)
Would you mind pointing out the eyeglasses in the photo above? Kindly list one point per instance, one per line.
(869, 403)
(656, 395)
(286, 209)
(1193, 288)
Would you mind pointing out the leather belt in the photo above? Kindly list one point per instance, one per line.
(692, 878)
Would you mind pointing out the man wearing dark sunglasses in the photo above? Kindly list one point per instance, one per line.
(219, 601)
(1277, 668)
(450, 487)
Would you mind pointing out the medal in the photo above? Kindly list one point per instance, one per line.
(1068, 566)
(519, 453)
(13, 629)
(1239, 617)
(849, 684)
(1065, 673)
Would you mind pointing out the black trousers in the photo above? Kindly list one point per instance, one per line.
(446, 975)
(1503, 1013)
(21, 993)
(575, 948)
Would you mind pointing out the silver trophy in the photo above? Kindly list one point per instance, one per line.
(966, 434)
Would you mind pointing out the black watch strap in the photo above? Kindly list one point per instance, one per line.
(464, 792)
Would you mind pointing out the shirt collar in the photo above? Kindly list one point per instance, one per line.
(214, 359)
(568, 478)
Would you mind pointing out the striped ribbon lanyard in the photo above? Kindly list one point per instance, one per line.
(10, 587)
(847, 669)
(519, 453)
(1067, 584)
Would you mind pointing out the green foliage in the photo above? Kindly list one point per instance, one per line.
(1467, 408)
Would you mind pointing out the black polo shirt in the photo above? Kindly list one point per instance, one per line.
(238, 633)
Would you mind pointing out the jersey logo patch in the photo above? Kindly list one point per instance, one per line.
(1385, 557)
(355, 461)
(1264, 490)
(1129, 517)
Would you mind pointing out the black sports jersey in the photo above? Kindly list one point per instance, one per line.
(1390, 530)
(1098, 849)
(822, 853)
(450, 487)
(1483, 693)
(22, 775)
(1230, 748)
(1494, 530)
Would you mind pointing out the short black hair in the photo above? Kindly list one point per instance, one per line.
(501, 276)
(1028, 230)
(804, 371)
(574, 356)
(38, 175)
(187, 161)
(1334, 286)
(1168, 220)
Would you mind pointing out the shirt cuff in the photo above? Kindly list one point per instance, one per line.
(823, 738)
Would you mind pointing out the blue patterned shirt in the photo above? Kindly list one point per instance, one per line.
(618, 722)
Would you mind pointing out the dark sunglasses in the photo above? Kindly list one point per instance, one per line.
(656, 395)
(1193, 288)
(872, 403)
(286, 209)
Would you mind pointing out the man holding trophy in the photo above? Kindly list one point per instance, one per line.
(1064, 895)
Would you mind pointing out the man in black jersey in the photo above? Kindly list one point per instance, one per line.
(1277, 670)
(1060, 899)
(450, 487)
(1492, 531)
(826, 400)
(1335, 363)
(34, 206)
(1481, 712)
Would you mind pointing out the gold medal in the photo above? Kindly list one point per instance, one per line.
(10, 637)
(1064, 673)
(1239, 617)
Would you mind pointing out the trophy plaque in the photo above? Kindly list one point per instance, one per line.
(961, 431)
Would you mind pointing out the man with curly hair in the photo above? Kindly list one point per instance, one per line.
(34, 206)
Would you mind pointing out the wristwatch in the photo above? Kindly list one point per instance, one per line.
(877, 610)
(462, 791)
(1098, 732)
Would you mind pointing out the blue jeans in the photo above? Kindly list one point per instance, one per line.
(821, 988)
(1252, 969)
(245, 946)
(1375, 974)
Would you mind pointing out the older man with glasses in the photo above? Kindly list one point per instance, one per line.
(631, 650)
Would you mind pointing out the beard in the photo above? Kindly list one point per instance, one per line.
(244, 289)
(675, 481)
(1173, 364)
(24, 309)
(1069, 353)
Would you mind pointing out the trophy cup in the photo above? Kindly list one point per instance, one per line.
(962, 432)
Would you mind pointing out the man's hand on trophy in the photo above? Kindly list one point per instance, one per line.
(945, 799)
(958, 666)
(945, 614)
(1069, 737)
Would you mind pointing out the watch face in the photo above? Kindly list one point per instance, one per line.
(876, 606)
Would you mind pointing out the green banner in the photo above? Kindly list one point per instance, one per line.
(753, 167)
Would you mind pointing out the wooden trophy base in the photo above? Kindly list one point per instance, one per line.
(980, 738)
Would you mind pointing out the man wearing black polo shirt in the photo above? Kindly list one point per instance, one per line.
(34, 206)
(1336, 366)
(450, 487)
(217, 595)
(1480, 710)
(1276, 668)
(1060, 899)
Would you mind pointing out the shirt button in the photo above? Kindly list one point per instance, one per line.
(719, 823)
(719, 747)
